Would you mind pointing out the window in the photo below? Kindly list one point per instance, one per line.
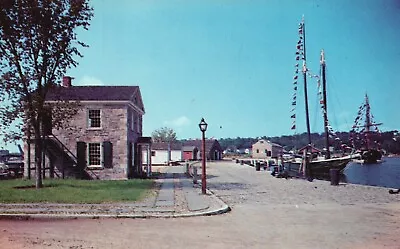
(153, 153)
(133, 154)
(133, 119)
(258, 151)
(94, 155)
(135, 122)
(94, 119)
(268, 152)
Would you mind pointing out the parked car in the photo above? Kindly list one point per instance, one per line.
(15, 166)
(4, 172)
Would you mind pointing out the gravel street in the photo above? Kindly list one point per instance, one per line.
(266, 213)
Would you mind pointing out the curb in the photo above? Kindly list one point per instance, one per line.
(224, 208)
(20, 216)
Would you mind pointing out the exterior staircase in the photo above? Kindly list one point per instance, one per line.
(65, 162)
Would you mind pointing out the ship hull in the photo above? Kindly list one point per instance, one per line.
(319, 169)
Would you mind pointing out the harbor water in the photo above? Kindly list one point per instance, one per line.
(385, 174)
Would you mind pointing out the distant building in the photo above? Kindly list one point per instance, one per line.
(162, 153)
(213, 149)
(189, 150)
(244, 151)
(265, 149)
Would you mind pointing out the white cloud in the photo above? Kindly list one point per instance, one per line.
(178, 122)
(89, 81)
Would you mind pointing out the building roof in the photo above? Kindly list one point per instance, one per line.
(83, 93)
(96, 93)
(144, 140)
(209, 143)
(164, 146)
(189, 148)
(277, 145)
(268, 142)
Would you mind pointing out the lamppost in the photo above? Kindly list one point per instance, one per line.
(203, 128)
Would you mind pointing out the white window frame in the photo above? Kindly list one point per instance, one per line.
(89, 127)
(100, 159)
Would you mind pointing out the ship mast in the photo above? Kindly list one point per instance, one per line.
(365, 115)
(303, 27)
(367, 121)
(325, 109)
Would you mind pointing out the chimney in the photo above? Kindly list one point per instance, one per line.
(67, 81)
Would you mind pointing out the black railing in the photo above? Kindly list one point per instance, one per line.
(64, 148)
(91, 173)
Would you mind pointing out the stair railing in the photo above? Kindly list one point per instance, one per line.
(64, 148)
(91, 173)
(72, 156)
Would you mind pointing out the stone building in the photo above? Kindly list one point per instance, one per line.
(103, 140)
(264, 149)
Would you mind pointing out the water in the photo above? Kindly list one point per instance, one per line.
(385, 174)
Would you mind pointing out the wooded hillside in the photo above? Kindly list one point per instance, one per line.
(389, 141)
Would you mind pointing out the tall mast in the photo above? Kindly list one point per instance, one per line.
(303, 26)
(364, 114)
(367, 120)
(325, 108)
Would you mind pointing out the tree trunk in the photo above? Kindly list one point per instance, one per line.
(38, 157)
(29, 155)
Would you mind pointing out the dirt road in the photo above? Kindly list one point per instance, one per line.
(266, 213)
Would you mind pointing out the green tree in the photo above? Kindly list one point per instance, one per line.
(164, 134)
(38, 43)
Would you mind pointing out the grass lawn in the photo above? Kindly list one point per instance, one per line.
(74, 191)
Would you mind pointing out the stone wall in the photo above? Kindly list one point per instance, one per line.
(117, 127)
(134, 131)
(113, 128)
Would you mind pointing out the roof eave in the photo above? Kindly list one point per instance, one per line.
(113, 102)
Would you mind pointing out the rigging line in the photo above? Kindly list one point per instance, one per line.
(300, 115)
(332, 77)
(319, 93)
(317, 106)
(331, 131)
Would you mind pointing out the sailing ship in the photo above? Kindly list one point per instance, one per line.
(364, 135)
(310, 165)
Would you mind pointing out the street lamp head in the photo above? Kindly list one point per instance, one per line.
(203, 125)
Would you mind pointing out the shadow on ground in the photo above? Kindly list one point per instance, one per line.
(230, 186)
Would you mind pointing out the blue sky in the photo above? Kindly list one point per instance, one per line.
(232, 62)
